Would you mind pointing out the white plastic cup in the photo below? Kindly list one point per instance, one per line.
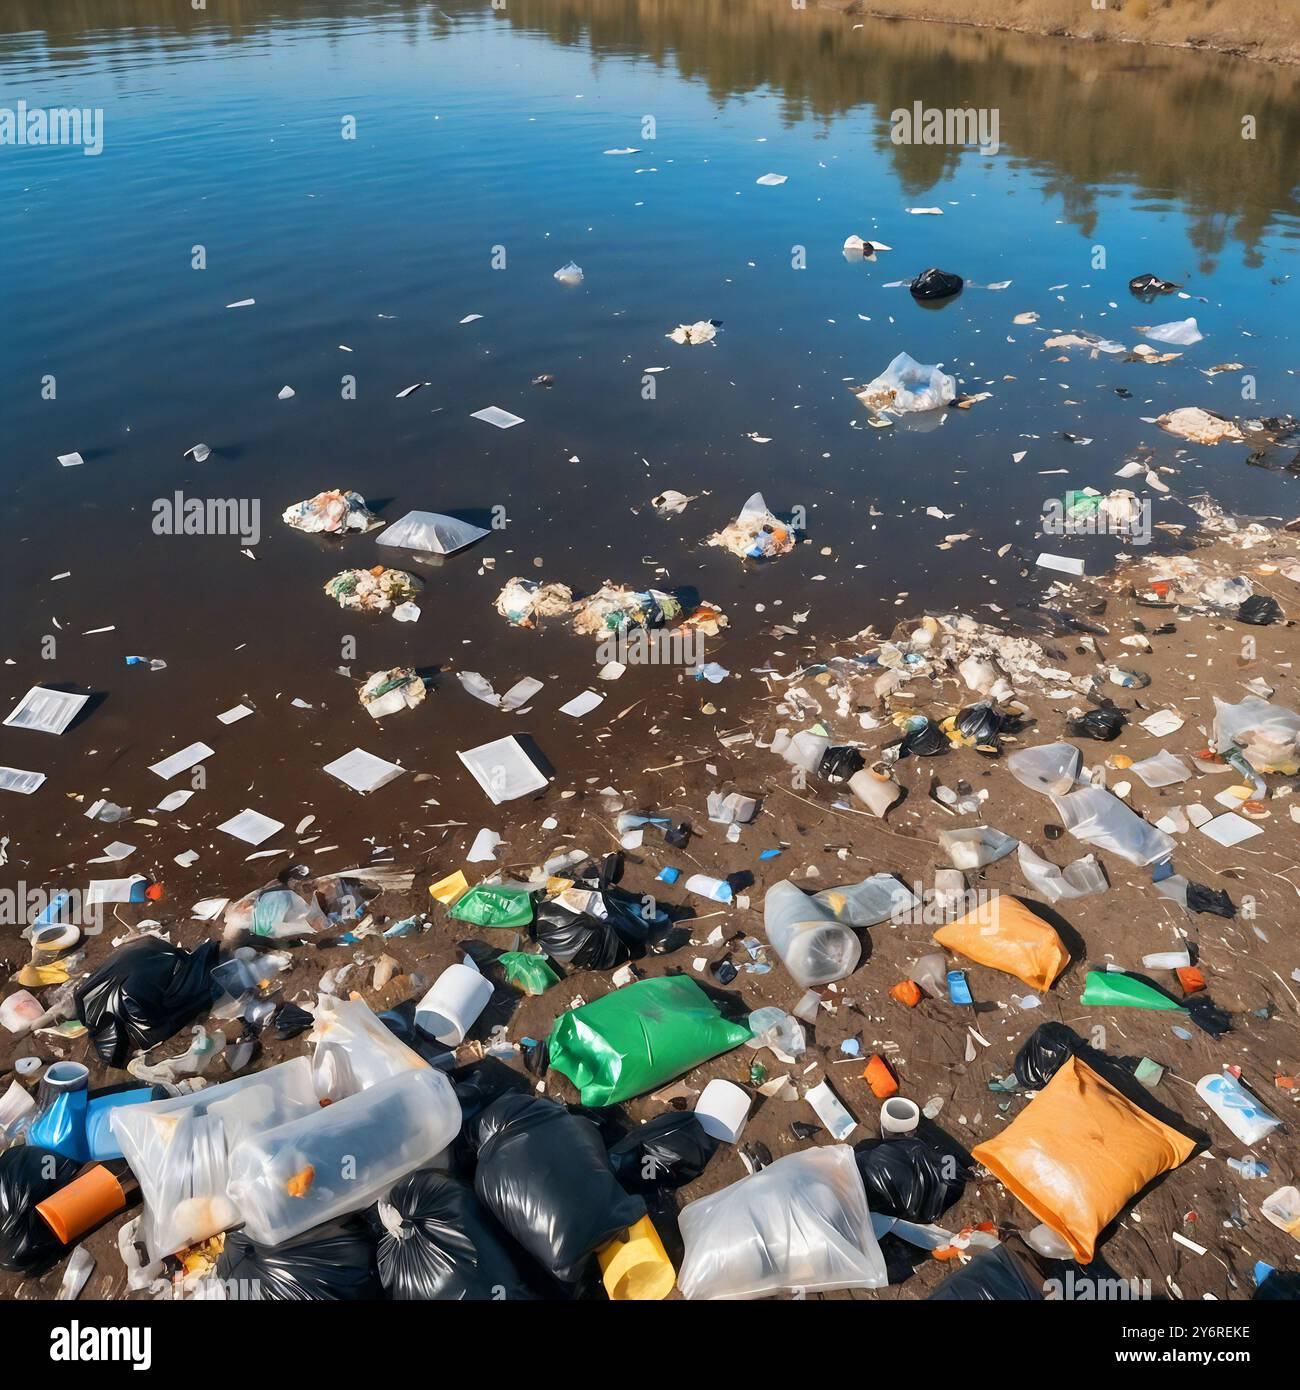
(899, 1116)
(451, 1007)
(722, 1110)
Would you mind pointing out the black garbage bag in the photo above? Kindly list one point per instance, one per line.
(143, 994)
(333, 1263)
(1259, 610)
(1050, 1045)
(927, 741)
(993, 1276)
(1102, 724)
(1148, 286)
(668, 1151)
(29, 1175)
(581, 939)
(543, 1174)
(936, 284)
(910, 1177)
(838, 764)
(437, 1244)
(1215, 900)
(1281, 1284)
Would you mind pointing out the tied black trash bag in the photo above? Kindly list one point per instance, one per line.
(910, 1178)
(437, 1244)
(1102, 724)
(840, 763)
(543, 1174)
(1147, 286)
(993, 1276)
(926, 741)
(936, 284)
(583, 940)
(668, 1151)
(331, 1263)
(29, 1175)
(1259, 610)
(143, 994)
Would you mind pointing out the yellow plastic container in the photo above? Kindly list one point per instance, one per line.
(636, 1267)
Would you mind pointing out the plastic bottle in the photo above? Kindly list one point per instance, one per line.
(814, 947)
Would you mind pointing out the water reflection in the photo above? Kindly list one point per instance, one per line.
(1085, 117)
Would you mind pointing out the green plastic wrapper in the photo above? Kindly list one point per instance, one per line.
(528, 972)
(494, 905)
(638, 1037)
(1110, 987)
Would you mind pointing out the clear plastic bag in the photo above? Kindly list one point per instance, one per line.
(875, 899)
(907, 385)
(1051, 768)
(431, 531)
(975, 846)
(1094, 816)
(275, 912)
(1057, 885)
(354, 1049)
(801, 1223)
(341, 1158)
(815, 948)
(1268, 735)
(179, 1150)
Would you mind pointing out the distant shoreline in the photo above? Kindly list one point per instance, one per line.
(1254, 29)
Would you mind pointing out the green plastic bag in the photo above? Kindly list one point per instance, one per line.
(638, 1037)
(1111, 987)
(494, 905)
(527, 972)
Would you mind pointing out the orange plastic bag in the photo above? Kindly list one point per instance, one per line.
(1004, 935)
(1079, 1152)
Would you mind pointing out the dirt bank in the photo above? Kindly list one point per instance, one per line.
(1264, 30)
(823, 839)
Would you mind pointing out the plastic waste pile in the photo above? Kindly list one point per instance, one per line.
(333, 513)
(756, 534)
(375, 590)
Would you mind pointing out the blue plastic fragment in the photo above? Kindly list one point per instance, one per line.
(958, 989)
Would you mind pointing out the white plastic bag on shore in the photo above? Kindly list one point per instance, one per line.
(907, 385)
(1055, 884)
(1268, 735)
(354, 1050)
(801, 1223)
(1095, 816)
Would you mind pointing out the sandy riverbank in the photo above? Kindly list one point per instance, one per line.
(1264, 30)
